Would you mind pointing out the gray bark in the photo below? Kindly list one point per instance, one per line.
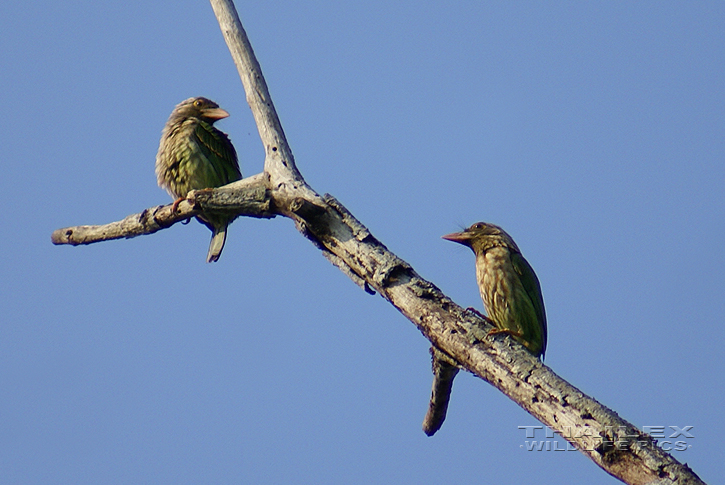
(614, 444)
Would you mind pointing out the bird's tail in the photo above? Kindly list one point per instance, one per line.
(218, 237)
(444, 371)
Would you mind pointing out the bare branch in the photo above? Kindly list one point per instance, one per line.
(147, 222)
(279, 162)
(598, 432)
(513, 370)
(248, 197)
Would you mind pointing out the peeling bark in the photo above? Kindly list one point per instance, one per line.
(611, 442)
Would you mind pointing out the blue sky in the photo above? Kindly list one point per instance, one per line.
(593, 132)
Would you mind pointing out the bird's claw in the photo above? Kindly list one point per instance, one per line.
(175, 205)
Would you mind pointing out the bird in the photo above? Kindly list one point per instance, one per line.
(509, 288)
(195, 155)
(511, 295)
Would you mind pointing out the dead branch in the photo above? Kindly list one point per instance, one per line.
(614, 444)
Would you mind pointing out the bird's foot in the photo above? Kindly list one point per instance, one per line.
(470, 309)
(175, 205)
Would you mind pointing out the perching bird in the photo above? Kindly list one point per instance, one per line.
(194, 155)
(512, 297)
(509, 287)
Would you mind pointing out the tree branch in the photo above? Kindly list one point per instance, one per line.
(611, 442)
(248, 197)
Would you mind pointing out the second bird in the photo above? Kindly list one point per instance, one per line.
(194, 155)
(509, 287)
(512, 296)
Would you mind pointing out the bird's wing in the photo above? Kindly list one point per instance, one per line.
(219, 150)
(532, 288)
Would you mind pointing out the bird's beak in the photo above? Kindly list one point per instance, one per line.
(462, 237)
(215, 113)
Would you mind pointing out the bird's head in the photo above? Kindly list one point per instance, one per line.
(202, 108)
(482, 236)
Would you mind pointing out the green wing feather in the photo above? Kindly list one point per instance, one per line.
(217, 148)
(531, 285)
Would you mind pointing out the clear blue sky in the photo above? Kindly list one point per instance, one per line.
(593, 132)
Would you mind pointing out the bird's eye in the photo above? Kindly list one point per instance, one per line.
(478, 225)
(197, 103)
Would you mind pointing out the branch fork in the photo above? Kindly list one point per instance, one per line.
(459, 337)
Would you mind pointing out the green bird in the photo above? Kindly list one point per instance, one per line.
(509, 287)
(512, 297)
(194, 155)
